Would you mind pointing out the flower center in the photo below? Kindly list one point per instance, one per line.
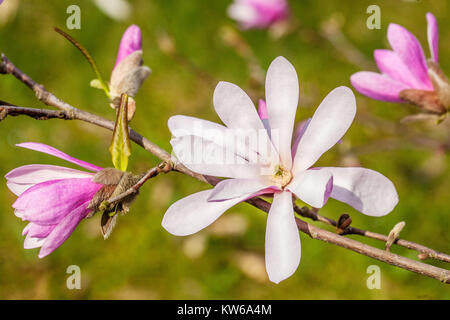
(281, 176)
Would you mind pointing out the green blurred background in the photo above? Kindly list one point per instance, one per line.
(326, 41)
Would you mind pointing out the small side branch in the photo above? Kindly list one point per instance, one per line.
(38, 114)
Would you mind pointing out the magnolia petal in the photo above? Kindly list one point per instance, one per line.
(31, 243)
(283, 249)
(282, 93)
(193, 213)
(433, 36)
(24, 177)
(39, 231)
(329, 123)
(298, 134)
(55, 152)
(181, 126)
(131, 41)
(366, 190)
(49, 202)
(206, 157)
(312, 186)
(234, 188)
(390, 64)
(378, 86)
(409, 50)
(63, 230)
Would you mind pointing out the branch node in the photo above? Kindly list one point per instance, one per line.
(394, 234)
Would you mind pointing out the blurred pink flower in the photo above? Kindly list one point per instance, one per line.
(269, 166)
(403, 67)
(53, 199)
(258, 13)
(131, 41)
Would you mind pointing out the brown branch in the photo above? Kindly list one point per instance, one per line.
(425, 252)
(38, 114)
(73, 113)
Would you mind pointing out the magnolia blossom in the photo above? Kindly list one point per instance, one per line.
(402, 68)
(270, 166)
(258, 13)
(53, 199)
(128, 73)
(115, 9)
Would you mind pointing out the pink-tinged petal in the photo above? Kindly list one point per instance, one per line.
(433, 36)
(55, 152)
(40, 231)
(390, 64)
(282, 93)
(63, 230)
(329, 123)
(378, 86)
(298, 134)
(22, 178)
(409, 50)
(312, 187)
(206, 157)
(193, 213)
(49, 202)
(366, 190)
(27, 228)
(31, 243)
(283, 249)
(131, 41)
(262, 110)
(258, 13)
(234, 188)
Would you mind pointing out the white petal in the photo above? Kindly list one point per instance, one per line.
(366, 190)
(31, 243)
(233, 188)
(312, 186)
(193, 213)
(181, 126)
(206, 157)
(22, 178)
(331, 120)
(282, 239)
(282, 94)
(237, 111)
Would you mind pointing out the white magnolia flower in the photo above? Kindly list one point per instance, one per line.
(278, 170)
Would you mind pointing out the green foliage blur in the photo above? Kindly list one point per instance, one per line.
(226, 260)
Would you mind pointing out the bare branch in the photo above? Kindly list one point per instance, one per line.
(73, 113)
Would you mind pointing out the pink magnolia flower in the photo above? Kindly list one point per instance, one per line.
(131, 41)
(53, 199)
(258, 13)
(404, 67)
(278, 170)
(129, 72)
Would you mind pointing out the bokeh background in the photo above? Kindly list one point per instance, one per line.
(190, 46)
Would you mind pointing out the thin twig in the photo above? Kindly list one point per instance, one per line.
(430, 253)
(46, 97)
(38, 114)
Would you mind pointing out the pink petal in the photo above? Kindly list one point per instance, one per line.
(312, 187)
(55, 152)
(63, 230)
(131, 41)
(22, 178)
(366, 190)
(31, 243)
(329, 123)
(49, 202)
(282, 93)
(262, 110)
(390, 64)
(298, 134)
(40, 231)
(234, 188)
(409, 50)
(433, 36)
(377, 86)
(193, 213)
(283, 249)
